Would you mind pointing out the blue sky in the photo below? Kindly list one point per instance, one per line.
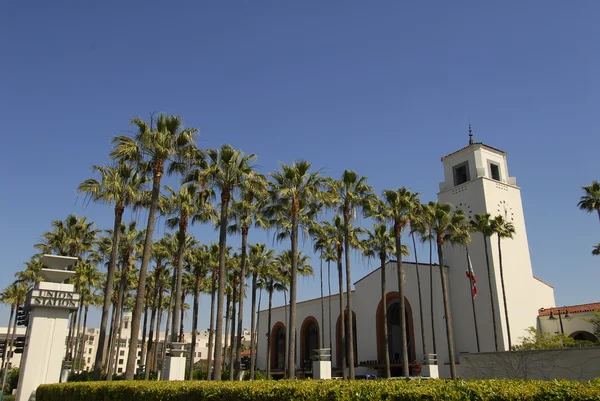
(384, 88)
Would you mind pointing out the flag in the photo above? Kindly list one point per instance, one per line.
(471, 276)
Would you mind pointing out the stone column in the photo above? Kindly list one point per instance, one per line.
(321, 363)
(49, 305)
(175, 363)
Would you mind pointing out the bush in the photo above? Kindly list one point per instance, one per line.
(330, 390)
(12, 380)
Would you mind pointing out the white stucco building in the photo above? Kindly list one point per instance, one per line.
(476, 180)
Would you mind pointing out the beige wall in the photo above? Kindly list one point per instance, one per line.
(564, 363)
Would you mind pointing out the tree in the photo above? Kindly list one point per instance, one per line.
(191, 204)
(271, 277)
(536, 340)
(226, 170)
(214, 264)
(596, 250)
(590, 200)
(260, 260)
(351, 193)
(483, 224)
(244, 212)
(295, 193)
(380, 244)
(152, 147)
(15, 294)
(198, 265)
(9, 296)
(396, 209)
(447, 226)
(428, 220)
(417, 225)
(503, 229)
(120, 185)
(31, 275)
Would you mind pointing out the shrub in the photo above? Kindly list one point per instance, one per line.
(12, 380)
(330, 390)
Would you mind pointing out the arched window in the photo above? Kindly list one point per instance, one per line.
(309, 338)
(339, 339)
(393, 323)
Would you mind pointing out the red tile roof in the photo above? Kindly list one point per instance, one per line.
(476, 143)
(571, 308)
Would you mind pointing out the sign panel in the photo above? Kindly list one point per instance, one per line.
(54, 299)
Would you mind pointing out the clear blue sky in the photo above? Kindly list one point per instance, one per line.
(384, 88)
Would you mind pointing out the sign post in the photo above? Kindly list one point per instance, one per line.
(49, 305)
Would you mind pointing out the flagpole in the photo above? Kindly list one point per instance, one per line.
(472, 299)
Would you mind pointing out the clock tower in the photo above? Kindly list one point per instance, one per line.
(476, 180)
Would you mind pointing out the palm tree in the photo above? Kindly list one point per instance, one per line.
(31, 275)
(120, 185)
(396, 209)
(590, 201)
(503, 229)
(381, 244)
(244, 212)
(227, 169)
(351, 193)
(596, 250)
(260, 258)
(234, 280)
(189, 205)
(428, 219)
(214, 264)
(272, 277)
(16, 294)
(160, 254)
(447, 224)
(153, 146)
(198, 265)
(9, 296)
(417, 225)
(295, 194)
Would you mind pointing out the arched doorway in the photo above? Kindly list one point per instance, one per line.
(309, 337)
(583, 336)
(278, 346)
(339, 339)
(393, 326)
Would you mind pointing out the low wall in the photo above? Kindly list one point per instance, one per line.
(564, 363)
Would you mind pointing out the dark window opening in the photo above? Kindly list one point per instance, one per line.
(461, 173)
(495, 171)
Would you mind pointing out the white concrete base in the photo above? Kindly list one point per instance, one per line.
(64, 375)
(430, 371)
(321, 370)
(174, 368)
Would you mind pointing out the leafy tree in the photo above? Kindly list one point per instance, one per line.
(590, 200)
(153, 146)
(536, 340)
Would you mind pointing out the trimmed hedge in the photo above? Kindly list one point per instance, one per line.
(331, 390)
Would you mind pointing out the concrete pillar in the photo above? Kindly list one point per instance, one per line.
(175, 363)
(321, 363)
(49, 305)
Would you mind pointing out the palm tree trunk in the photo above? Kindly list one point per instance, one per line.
(163, 355)
(181, 327)
(253, 323)
(489, 274)
(113, 320)
(225, 195)
(176, 334)
(420, 297)
(108, 293)
(10, 319)
(504, 294)
(322, 329)
(72, 324)
(350, 342)
(9, 346)
(195, 322)
(449, 335)
(146, 255)
(293, 289)
(341, 347)
(431, 294)
(403, 342)
(114, 349)
(153, 361)
(211, 331)
(386, 344)
(117, 327)
(240, 328)
(144, 332)
(269, 329)
(287, 331)
(232, 341)
(256, 339)
(329, 301)
(223, 350)
(149, 348)
(76, 345)
(82, 347)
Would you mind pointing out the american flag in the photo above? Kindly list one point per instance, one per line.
(471, 276)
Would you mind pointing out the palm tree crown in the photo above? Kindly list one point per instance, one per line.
(590, 200)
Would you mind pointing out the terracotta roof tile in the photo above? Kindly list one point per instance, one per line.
(476, 143)
(571, 308)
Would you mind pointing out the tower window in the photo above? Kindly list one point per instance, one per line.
(461, 173)
(495, 171)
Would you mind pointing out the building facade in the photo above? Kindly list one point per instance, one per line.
(476, 180)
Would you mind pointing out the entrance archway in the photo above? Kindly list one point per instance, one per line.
(393, 323)
(309, 337)
(339, 339)
(278, 346)
(583, 335)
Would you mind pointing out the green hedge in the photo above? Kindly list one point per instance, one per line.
(331, 390)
